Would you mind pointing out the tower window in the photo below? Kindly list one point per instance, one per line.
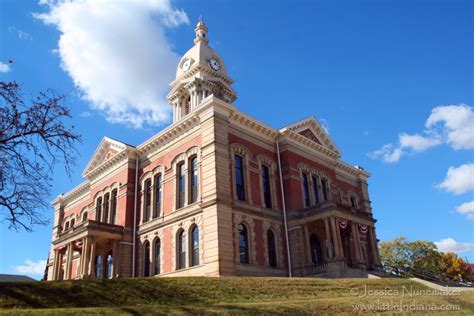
(181, 249)
(194, 179)
(324, 185)
(181, 185)
(158, 194)
(243, 244)
(113, 210)
(304, 179)
(267, 194)
(239, 177)
(315, 190)
(272, 259)
(146, 209)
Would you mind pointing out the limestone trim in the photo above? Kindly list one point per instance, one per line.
(101, 195)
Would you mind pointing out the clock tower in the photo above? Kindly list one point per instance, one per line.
(201, 73)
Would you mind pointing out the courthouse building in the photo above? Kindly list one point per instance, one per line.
(216, 193)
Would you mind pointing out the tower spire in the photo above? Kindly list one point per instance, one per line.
(201, 31)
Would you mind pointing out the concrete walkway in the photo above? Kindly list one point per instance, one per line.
(442, 288)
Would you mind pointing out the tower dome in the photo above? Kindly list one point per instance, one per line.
(201, 72)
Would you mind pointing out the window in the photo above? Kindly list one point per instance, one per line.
(84, 216)
(243, 244)
(181, 185)
(158, 194)
(98, 210)
(157, 256)
(98, 266)
(304, 178)
(315, 249)
(114, 207)
(195, 246)
(353, 202)
(146, 259)
(66, 226)
(239, 177)
(146, 208)
(324, 185)
(315, 190)
(106, 207)
(110, 263)
(194, 179)
(73, 221)
(272, 259)
(181, 242)
(267, 194)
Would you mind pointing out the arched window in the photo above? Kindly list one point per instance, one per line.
(243, 244)
(315, 246)
(304, 179)
(106, 208)
(272, 256)
(66, 226)
(195, 246)
(114, 206)
(157, 256)
(315, 189)
(147, 202)
(239, 177)
(98, 210)
(158, 195)
(110, 264)
(193, 180)
(324, 187)
(73, 221)
(181, 185)
(146, 259)
(84, 216)
(353, 201)
(98, 266)
(267, 191)
(181, 250)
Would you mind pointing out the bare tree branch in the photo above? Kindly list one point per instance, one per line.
(33, 139)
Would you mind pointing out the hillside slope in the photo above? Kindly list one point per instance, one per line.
(224, 295)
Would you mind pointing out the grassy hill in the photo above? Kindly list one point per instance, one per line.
(199, 295)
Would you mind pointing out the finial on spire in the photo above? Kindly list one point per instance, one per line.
(201, 31)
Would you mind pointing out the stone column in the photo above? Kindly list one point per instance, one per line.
(85, 255)
(114, 259)
(336, 238)
(70, 252)
(92, 258)
(55, 264)
(329, 243)
(358, 251)
(373, 245)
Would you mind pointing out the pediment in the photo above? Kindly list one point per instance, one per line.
(313, 130)
(107, 149)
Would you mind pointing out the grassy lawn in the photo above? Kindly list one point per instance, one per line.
(199, 295)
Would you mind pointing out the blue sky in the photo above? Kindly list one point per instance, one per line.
(370, 71)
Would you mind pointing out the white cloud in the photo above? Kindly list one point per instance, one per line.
(4, 68)
(459, 180)
(457, 122)
(118, 55)
(85, 114)
(451, 245)
(467, 209)
(32, 267)
(451, 124)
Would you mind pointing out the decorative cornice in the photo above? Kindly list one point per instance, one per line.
(308, 143)
(342, 166)
(73, 194)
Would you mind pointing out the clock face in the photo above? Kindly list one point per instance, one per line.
(186, 64)
(214, 64)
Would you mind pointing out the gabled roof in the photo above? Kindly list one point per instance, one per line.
(312, 129)
(107, 148)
